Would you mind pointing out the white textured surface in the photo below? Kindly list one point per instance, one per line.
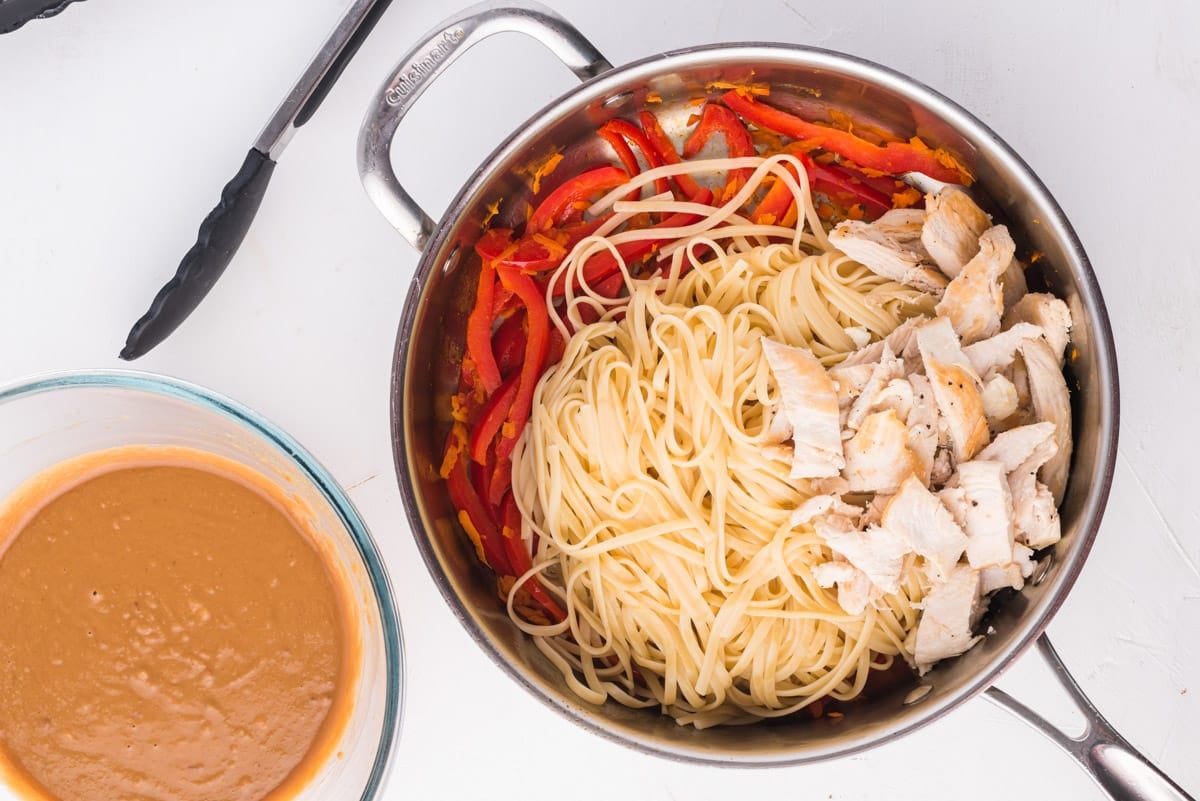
(120, 120)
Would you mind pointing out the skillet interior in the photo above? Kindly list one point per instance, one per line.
(429, 347)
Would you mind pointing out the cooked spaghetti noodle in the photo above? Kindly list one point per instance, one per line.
(660, 521)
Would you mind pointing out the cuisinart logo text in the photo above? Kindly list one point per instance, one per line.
(421, 68)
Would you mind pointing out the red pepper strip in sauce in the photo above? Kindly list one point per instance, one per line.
(894, 158)
(491, 418)
(479, 329)
(473, 513)
(833, 181)
(720, 120)
(666, 151)
(537, 347)
(568, 201)
(508, 343)
(839, 182)
(603, 265)
(620, 134)
(521, 560)
(608, 288)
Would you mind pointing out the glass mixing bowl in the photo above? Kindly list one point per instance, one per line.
(46, 420)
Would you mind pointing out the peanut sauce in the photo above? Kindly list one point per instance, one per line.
(170, 627)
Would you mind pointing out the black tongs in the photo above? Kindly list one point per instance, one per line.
(225, 227)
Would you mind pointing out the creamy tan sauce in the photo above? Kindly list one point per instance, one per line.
(168, 630)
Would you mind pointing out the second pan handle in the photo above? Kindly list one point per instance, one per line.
(1107, 757)
(436, 51)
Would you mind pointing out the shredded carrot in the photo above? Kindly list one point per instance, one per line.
(841, 119)
(653, 97)
(492, 210)
(464, 520)
(744, 89)
(906, 198)
(693, 119)
(539, 168)
(552, 245)
(459, 433)
(945, 158)
(697, 101)
(1036, 256)
(871, 133)
(856, 212)
(766, 140)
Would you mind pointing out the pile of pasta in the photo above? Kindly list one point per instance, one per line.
(698, 568)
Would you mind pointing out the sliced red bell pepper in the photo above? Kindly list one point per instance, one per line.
(508, 343)
(537, 347)
(567, 202)
(473, 513)
(491, 417)
(835, 182)
(894, 158)
(666, 151)
(522, 561)
(603, 265)
(842, 183)
(715, 120)
(621, 134)
(479, 329)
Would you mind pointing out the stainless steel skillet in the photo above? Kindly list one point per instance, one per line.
(812, 81)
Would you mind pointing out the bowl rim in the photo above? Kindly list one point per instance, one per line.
(608, 84)
(178, 389)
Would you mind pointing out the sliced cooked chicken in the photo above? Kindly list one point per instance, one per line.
(809, 402)
(873, 515)
(943, 467)
(986, 513)
(953, 225)
(898, 341)
(1035, 515)
(1051, 403)
(997, 352)
(920, 519)
(853, 585)
(1011, 575)
(1016, 445)
(877, 456)
(819, 505)
(905, 226)
(884, 254)
(1012, 284)
(877, 552)
(950, 611)
(922, 426)
(1047, 312)
(896, 395)
(1000, 401)
(889, 367)
(850, 381)
(955, 387)
(974, 301)
(859, 335)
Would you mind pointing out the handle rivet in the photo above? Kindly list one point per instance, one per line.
(619, 99)
(1043, 569)
(918, 694)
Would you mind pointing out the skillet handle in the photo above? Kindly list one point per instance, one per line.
(1107, 757)
(436, 51)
